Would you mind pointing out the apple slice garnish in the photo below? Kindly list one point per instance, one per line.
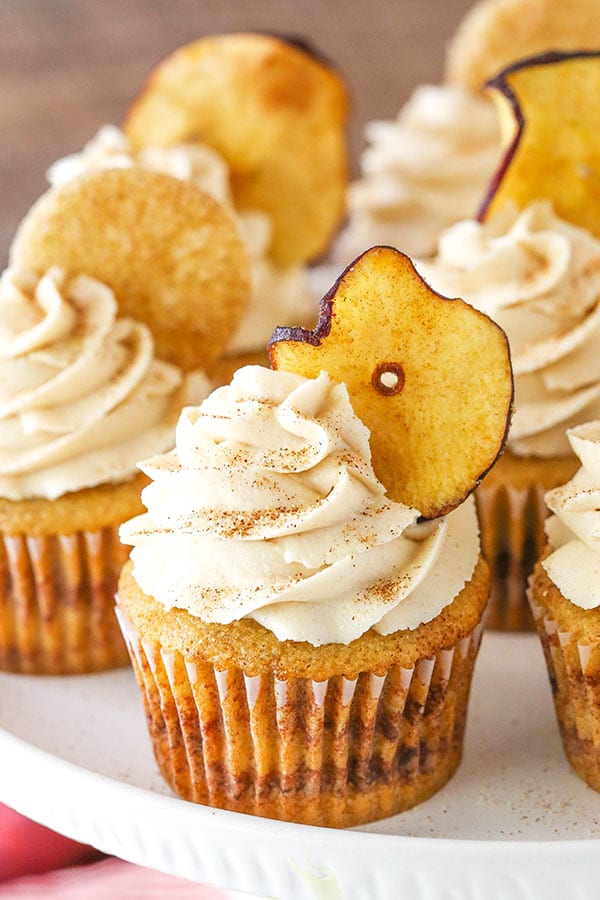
(430, 377)
(496, 33)
(550, 120)
(277, 115)
(172, 255)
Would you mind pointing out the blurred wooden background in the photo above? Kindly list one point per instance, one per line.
(69, 66)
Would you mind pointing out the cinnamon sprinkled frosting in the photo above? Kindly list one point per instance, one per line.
(538, 277)
(268, 508)
(82, 397)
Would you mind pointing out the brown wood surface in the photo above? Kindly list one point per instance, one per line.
(68, 66)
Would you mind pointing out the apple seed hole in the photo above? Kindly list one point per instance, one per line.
(388, 379)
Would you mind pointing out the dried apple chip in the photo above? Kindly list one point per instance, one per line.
(172, 255)
(550, 119)
(429, 376)
(496, 33)
(276, 114)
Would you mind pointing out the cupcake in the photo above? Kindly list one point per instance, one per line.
(539, 278)
(87, 391)
(225, 113)
(303, 641)
(565, 601)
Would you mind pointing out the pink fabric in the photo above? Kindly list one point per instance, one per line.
(27, 850)
(111, 879)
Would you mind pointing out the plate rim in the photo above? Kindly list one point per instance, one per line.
(235, 821)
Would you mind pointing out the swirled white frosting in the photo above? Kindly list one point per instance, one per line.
(268, 508)
(280, 296)
(422, 172)
(574, 529)
(82, 397)
(539, 278)
(110, 149)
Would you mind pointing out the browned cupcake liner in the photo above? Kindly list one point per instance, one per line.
(57, 602)
(511, 522)
(574, 672)
(336, 752)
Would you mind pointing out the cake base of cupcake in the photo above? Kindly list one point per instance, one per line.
(570, 638)
(303, 739)
(512, 511)
(58, 578)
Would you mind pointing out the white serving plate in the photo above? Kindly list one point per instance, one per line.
(514, 822)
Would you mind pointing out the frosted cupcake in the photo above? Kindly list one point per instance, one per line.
(539, 278)
(276, 590)
(271, 579)
(87, 391)
(565, 601)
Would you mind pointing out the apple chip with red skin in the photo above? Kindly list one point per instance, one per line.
(430, 377)
(275, 113)
(550, 119)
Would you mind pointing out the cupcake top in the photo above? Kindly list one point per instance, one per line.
(277, 292)
(105, 313)
(268, 508)
(574, 529)
(423, 171)
(539, 278)
(82, 396)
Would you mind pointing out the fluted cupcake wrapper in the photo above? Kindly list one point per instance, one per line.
(336, 752)
(511, 522)
(574, 671)
(57, 602)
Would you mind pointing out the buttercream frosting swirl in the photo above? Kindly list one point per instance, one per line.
(268, 508)
(82, 397)
(574, 529)
(279, 295)
(422, 172)
(538, 277)
(110, 149)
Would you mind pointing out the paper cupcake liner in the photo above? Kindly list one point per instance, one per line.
(57, 602)
(511, 521)
(574, 672)
(336, 752)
